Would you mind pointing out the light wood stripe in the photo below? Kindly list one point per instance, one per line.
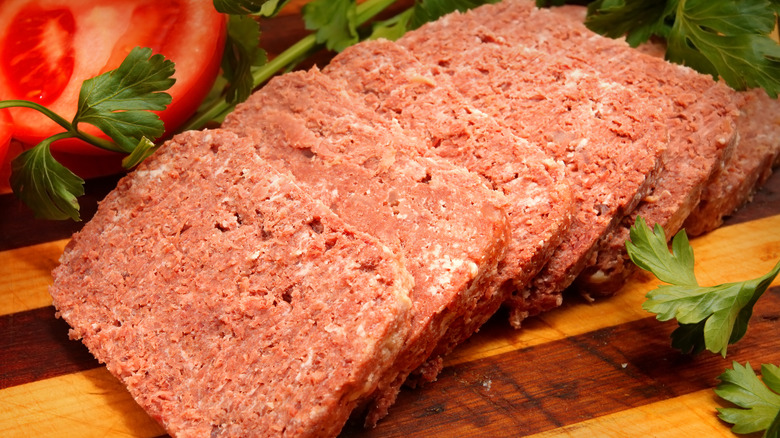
(86, 404)
(25, 274)
(690, 415)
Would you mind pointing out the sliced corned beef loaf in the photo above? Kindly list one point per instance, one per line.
(748, 168)
(450, 227)
(228, 301)
(697, 111)
(610, 139)
(398, 86)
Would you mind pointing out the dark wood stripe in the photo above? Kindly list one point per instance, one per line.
(522, 392)
(571, 380)
(35, 346)
(19, 227)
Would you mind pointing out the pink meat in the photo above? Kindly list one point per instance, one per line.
(610, 140)
(451, 229)
(228, 301)
(398, 86)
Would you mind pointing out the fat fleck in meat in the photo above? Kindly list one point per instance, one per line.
(393, 82)
(228, 301)
(610, 140)
(451, 229)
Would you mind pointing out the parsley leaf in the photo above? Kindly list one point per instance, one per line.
(264, 8)
(648, 250)
(430, 10)
(119, 101)
(708, 317)
(48, 187)
(637, 21)
(759, 404)
(334, 22)
(144, 149)
(730, 39)
(393, 28)
(723, 38)
(242, 53)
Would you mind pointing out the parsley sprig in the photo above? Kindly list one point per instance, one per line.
(709, 317)
(724, 38)
(118, 102)
(758, 399)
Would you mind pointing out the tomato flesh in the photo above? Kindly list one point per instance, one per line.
(39, 62)
(6, 133)
(48, 48)
(151, 24)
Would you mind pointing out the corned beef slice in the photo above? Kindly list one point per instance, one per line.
(697, 111)
(748, 167)
(608, 137)
(756, 152)
(399, 87)
(451, 228)
(228, 301)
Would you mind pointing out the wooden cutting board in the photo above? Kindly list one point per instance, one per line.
(585, 369)
(602, 369)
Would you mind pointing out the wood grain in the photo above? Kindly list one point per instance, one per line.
(24, 276)
(561, 383)
(84, 404)
(37, 347)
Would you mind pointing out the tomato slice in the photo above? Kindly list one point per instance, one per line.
(49, 47)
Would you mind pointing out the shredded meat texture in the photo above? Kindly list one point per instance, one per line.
(698, 112)
(450, 228)
(748, 167)
(396, 85)
(227, 300)
(611, 142)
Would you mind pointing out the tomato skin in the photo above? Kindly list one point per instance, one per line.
(188, 32)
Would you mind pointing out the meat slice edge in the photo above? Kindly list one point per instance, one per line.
(748, 168)
(698, 112)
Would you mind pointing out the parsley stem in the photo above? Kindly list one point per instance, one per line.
(71, 130)
(365, 11)
(38, 107)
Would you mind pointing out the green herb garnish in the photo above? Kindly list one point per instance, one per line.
(709, 317)
(117, 102)
(723, 38)
(759, 403)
